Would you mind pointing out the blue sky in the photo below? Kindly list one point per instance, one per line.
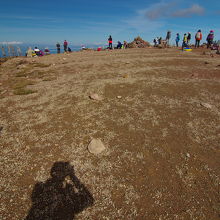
(91, 22)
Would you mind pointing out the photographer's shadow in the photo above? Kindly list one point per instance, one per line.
(61, 197)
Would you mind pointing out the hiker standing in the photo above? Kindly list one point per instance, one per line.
(188, 38)
(110, 42)
(65, 44)
(58, 47)
(160, 40)
(168, 37)
(184, 42)
(177, 39)
(155, 42)
(198, 38)
(210, 39)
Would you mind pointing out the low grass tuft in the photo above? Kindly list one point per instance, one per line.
(48, 79)
(23, 91)
(21, 74)
(22, 83)
(41, 65)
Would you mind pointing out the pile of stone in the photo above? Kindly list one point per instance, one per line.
(138, 42)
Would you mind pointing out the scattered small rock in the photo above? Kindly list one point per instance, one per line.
(188, 155)
(195, 75)
(206, 105)
(125, 76)
(119, 97)
(95, 97)
(206, 62)
(4, 91)
(96, 146)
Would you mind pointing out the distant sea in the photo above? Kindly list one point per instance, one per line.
(52, 48)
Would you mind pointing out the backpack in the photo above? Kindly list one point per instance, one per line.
(210, 37)
(198, 35)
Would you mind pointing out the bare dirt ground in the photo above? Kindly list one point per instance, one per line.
(162, 136)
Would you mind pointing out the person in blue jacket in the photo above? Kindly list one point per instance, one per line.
(119, 45)
(177, 39)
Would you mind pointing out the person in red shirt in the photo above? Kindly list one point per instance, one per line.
(198, 38)
(110, 42)
(65, 44)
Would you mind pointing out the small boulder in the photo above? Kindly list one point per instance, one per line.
(95, 97)
(206, 105)
(96, 146)
(188, 155)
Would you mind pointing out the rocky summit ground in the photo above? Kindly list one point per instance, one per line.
(158, 116)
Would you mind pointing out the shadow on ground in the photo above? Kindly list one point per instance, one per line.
(60, 197)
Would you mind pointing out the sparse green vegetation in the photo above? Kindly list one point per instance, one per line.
(40, 74)
(19, 87)
(48, 79)
(40, 65)
(22, 84)
(22, 73)
(23, 91)
(28, 70)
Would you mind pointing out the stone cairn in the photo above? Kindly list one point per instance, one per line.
(138, 42)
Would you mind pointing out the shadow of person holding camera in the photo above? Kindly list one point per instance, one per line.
(61, 197)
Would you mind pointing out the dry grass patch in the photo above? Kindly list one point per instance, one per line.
(20, 87)
(22, 73)
(33, 73)
(22, 84)
(49, 79)
(29, 70)
(23, 91)
(40, 74)
(40, 65)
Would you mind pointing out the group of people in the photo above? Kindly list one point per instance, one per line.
(36, 52)
(119, 44)
(65, 47)
(157, 41)
(187, 38)
(198, 38)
